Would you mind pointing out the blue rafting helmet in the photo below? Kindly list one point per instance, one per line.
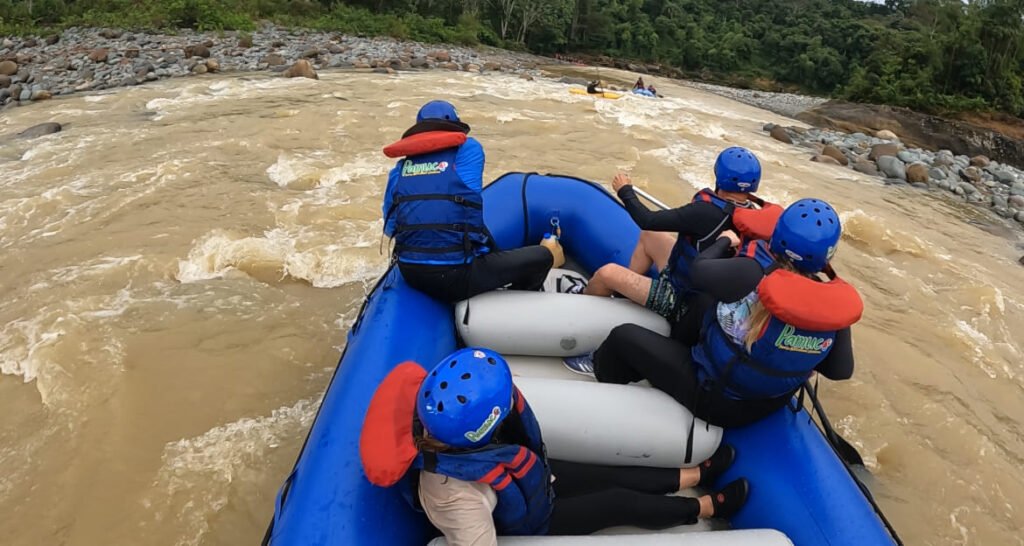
(465, 397)
(807, 233)
(437, 109)
(737, 169)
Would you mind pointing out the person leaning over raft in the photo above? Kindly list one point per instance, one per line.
(433, 208)
(731, 205)
(774, 321)
(639, 84)
(466, 444)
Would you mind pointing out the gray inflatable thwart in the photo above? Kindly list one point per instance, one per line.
(620, 425)
(547, 324)
(756, 537)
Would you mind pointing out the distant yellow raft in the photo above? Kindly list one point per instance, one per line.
(604, 95)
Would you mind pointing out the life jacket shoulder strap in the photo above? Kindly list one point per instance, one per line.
(758, 250)
(425, 143)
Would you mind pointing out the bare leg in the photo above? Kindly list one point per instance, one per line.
(706, 508)
(688, 477)
(654, 247)
(614, 278)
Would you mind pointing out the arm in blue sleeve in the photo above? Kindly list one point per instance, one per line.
(389, 222)
(469, 164)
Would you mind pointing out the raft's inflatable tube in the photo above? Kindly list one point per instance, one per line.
(798, 485)
(515, 322)
(602, 95)
(762, 537)
(619, 425)
(644, 93)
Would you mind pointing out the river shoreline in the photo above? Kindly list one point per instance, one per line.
(80, 60)
(93, 59)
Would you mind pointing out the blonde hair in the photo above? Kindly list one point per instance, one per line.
(759, 314)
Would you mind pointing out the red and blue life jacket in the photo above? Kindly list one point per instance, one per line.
(439, 219)
(518, 471)
(805, 316)
(749, 223)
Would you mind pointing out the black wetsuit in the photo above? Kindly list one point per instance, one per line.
(591, 497)
(523, 268)
(695, 220)
(632, 353)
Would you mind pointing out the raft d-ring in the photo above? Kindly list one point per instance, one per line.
(555, 222)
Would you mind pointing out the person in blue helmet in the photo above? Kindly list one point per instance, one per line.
(464, 445)
(732, 205)
(778, 314)
(433, 209)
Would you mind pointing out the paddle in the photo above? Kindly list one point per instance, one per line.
(845, 449)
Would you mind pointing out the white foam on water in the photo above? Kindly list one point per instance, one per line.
(197, 475)
(977, 342)
(689, 161)
(20, 343)
(959, 527)
(220, 91)
(364, 165)
(290, 168)
(96, 98)
(100, 267)
(281, 253)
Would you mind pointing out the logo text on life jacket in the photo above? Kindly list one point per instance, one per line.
(789, 341)
(419, 169)
(485, 427)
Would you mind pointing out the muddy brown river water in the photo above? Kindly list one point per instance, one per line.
(181, 263)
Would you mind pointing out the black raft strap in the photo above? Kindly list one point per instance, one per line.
(457, 199)
(444, 227)
(431, 250)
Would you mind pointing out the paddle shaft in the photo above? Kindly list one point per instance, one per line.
(653, 200)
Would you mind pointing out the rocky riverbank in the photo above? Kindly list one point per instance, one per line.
(784, 104)
(39, 68)
(976, 180)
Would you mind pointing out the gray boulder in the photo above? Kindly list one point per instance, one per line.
(41, 130)
(1000, 201)
(937, 173)
(892, 167)
(967, 188)
(907, 156)
(1004, 177)
(1017, 189)
(866, 167)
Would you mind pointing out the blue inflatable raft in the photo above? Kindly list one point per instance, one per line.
(798, 484)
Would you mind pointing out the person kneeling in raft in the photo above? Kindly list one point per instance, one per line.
(466, 442)
(778, 314)
(434, 209)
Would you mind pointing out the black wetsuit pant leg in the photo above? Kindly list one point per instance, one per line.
(632, 353)
(589, 498)
(520, 269)
(687, 329)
